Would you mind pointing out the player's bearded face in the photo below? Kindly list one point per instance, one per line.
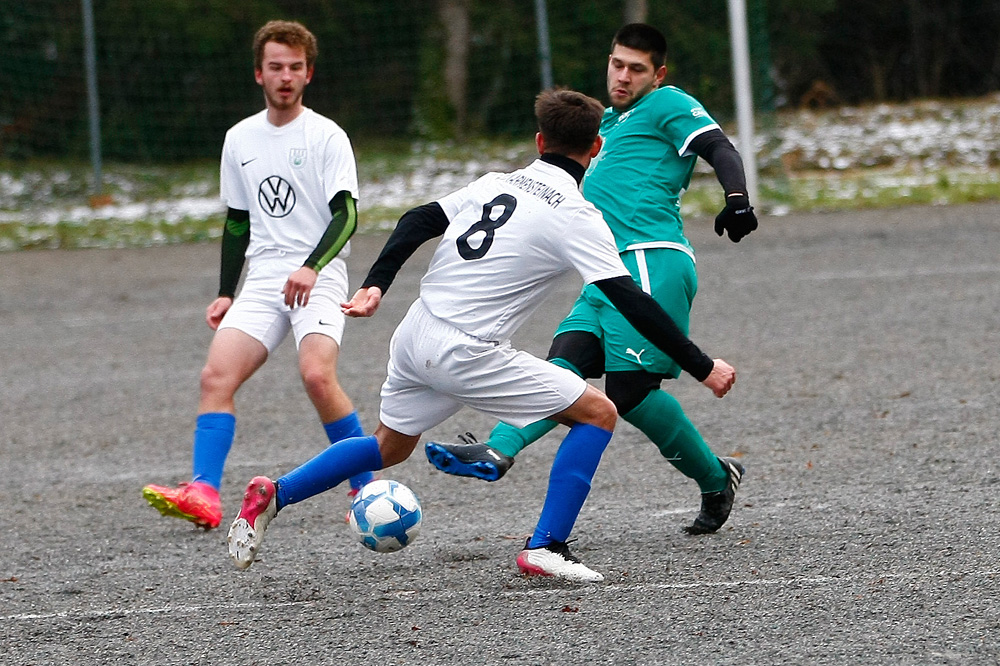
(283, 75)
(630, 76)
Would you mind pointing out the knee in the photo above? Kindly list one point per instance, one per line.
(608, 417)
(579, 352)
(626, 399)
(317, 381)
(602, 412)
(627, 390)
(215, 381)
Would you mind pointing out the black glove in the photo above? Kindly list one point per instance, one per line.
(737, 218)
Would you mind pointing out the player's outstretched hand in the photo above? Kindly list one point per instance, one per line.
(721, 379)
(737, 218)
(216, 310)
(364, 303)
(298, 286)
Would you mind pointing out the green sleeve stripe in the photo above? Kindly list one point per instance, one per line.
(235, 240)
(342, 227)
(237, 227)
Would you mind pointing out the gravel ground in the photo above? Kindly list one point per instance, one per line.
(866, 530)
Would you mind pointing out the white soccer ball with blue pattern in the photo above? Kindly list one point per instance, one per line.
(385, 516)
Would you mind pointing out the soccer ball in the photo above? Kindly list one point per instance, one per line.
(385, 516)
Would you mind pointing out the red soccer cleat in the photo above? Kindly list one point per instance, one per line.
(247, 532)
(195, 501)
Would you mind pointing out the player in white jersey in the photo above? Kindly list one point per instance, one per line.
(506, 237)
(290, 182)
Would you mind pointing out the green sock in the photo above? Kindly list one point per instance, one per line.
(509, 440)
(661, 418)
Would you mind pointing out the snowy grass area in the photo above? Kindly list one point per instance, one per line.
(931, 152)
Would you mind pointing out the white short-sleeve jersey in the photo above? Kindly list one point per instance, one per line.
(286, 176)
(509, 236)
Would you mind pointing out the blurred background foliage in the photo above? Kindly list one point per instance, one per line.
(173, 75)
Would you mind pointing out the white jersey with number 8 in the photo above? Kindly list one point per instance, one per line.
(509, 236)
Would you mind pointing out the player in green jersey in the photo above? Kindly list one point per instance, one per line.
(653, 135)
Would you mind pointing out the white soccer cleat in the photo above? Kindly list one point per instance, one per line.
(247, 531)
(555, 560)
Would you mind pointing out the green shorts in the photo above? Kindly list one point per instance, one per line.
(668, 276)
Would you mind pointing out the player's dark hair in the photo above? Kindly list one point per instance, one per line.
(568, 120)
(643, 37)
(289, 33)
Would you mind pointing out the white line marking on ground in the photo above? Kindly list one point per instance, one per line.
(813, 581)
(126, 612)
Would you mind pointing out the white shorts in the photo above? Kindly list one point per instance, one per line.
(435, 369)
(260, 311)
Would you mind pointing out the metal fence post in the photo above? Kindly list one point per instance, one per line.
(744, 94)
(544, 50)
(93, 102)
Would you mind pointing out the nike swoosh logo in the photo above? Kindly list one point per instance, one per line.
(243, 164)
(325, 323)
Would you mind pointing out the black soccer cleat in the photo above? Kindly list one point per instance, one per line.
(715, 507)
(468, 459)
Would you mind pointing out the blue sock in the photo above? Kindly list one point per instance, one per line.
(329, 468)
(569, 482)
(213, 437)
(349, 426)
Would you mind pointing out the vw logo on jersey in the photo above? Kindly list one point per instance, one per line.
(276, 196)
